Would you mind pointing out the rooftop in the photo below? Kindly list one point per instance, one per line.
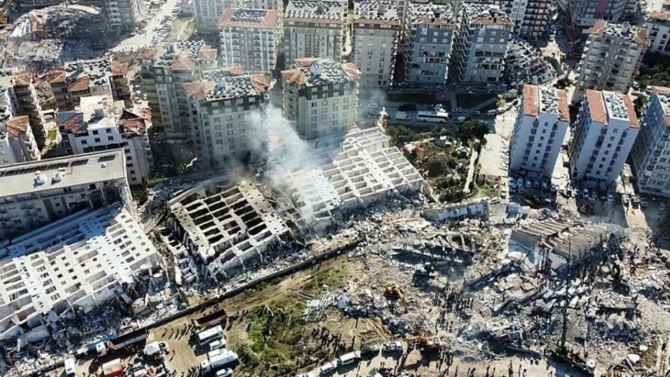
(538, 100)
(318, 71)
(80, 75)
(376, 12)
(431, 14)
(179, 55)
(659, 15)
(34, 177)
(324, 11)
(663, 95)
(221, 84)
(108, 242)
(605, 106)
(92, 112)
(481, 14)
(249, 18)
(624, 31)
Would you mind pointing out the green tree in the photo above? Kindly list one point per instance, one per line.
(471, 129)
(640, 102)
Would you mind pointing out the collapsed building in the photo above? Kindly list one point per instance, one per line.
(526, 65)
(557, 245)
(70, 266)
(221, 226)
(42, 38)
(345, 172)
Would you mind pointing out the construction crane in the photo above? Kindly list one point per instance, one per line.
(3, 13)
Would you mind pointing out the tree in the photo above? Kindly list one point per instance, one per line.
(436, 166)
(471, 129)
(401, 134)
(640, 102)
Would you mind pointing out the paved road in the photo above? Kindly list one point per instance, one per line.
(144, 39)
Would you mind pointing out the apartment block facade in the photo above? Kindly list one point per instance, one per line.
(250, 38)
(88, 78)
(431, 32)
(17, 143)
(314, 29)
(123, 15)
(540, 128)
(164, 69)
(481, 44)
(603, 137)
(226, 110)
(33, 194)
(321, 97)
(585, 13)
(28, 103)
(658, 30)
(530, 17)
(207, 14)
(651, 152)
(611, 58)
(376, 33)
(99, 124)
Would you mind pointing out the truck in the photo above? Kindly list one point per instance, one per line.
(216, 362)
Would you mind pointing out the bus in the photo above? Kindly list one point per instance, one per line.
(209, 335)
(433, 116)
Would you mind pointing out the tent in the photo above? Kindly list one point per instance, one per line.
(152, 348)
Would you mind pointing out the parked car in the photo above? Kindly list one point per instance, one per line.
(460, 119)
(396, 346)
(370, 351)
(610, 198)
(643, 203)
(476, 113)
(625, 199)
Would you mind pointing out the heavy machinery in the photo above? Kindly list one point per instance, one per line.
(394, 293)
(3, 13)
(425, 343)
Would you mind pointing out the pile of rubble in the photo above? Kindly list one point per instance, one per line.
(525, 64)
(43, 38)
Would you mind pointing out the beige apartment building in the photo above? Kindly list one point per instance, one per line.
(88, 78)
(611, 58)
(321, 96)
(250, 37)
(314, 29)
(376, 31)
(207, 14)
(221, 105)
(164, 69)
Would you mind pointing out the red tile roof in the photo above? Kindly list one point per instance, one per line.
(530, 101)
(79, 85)
(17, 126)
(23, 78)
(596, 105)
(563, 107)
(269, 21)
(183, 63)
(119, 68)
(57, 76)
(632, 115)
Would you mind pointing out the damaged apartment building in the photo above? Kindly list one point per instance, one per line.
(70, 267)
(36, 193)
(220, 105)
(250, 38)
(314, 29)
(525, 64)
(346, 172)
(100, 123)
(88, 78)
(164, 69)
(224, 226)
(20, 98)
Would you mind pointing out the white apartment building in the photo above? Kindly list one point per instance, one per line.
(250, 37)
(99, 124)
(376, 32)
(540, 128)
(611, 58)
(321, 96)
(651, 152)
(481, 44)
(124, 15)
(36, 193)
(80, 262)
(604, 134)
(658, 30)
(88, 78)
(432, 30)
(164, 69)
(207, 14)
(314, 29)
(263, 4)
(17, 143)
(222, 105)
(530, 17)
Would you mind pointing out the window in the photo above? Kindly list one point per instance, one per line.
(109, 130)
(110, 138)
(84, 142)
(97, 139)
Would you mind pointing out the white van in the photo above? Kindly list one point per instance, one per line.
(492, 112)
(349, 358)
(70, 367)
(328, 367)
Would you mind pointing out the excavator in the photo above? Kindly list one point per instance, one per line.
(3, 13)
(395, 293)
(426, 343)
